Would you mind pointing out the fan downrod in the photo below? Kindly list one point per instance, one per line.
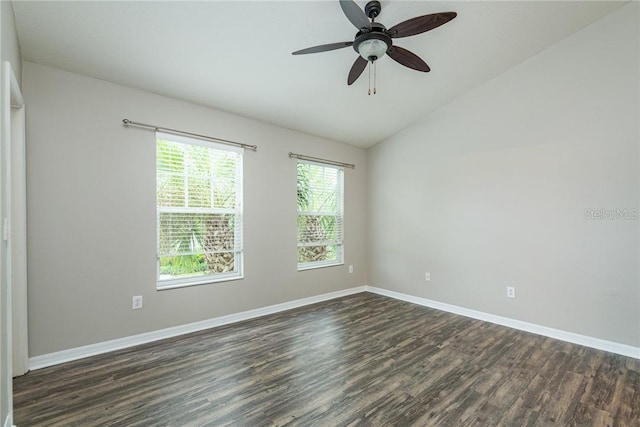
(372, 9)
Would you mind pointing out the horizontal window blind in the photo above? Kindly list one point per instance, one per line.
(199, 215)
(320, 214)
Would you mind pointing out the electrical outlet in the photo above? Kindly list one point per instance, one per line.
(350, 269)
(136, 302)
(427, 276)
(511, 292)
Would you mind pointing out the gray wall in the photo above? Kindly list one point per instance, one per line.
(91, 213)
(10, 45)
(491, 191)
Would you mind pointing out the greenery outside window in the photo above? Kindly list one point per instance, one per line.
(320, 215)
(199, 211)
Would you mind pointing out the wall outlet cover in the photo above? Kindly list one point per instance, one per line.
(136, 302)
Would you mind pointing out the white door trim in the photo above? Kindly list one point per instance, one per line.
(18, 227)
(11, 140)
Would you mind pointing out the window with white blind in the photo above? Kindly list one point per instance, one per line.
(199, 211)
(320, 215)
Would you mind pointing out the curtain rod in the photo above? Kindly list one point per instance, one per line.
(318, 159)
(128, 123)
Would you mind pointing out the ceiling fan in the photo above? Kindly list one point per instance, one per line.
(373, 39)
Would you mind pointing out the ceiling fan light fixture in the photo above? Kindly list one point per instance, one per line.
(373, 40)
(372, 49)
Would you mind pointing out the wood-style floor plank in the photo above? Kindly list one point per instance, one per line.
(362, 360)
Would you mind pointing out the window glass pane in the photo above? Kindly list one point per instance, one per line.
(224, 194)
(181, 266)
(310, 254)
(198, 208)
(199, 191)
(319, 228)
(170, 174)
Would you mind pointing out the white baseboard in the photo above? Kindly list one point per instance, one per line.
(597, 343)
(76, 353)
(63, 356)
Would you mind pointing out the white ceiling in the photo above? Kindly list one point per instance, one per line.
(236, 55)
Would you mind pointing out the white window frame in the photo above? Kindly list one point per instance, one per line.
(162, 284)
(302, 266)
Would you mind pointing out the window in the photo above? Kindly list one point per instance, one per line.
(199, 211)
(320, 206)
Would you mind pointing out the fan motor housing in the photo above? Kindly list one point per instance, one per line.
(377, 31)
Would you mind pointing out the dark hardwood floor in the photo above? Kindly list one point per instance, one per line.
(359, 360)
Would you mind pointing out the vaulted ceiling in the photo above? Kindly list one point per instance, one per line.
(236, 55)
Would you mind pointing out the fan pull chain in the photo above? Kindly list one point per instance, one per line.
(369, 67)
(375, 69)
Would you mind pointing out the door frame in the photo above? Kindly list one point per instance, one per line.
(12, 242)
(18, 227)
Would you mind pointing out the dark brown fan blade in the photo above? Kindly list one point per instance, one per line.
(323, 48)
(356, 69)
(355, 14)
(407, 58)
(420, 24)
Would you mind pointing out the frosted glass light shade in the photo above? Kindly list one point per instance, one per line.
(372, 48)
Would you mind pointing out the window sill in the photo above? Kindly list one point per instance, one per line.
(207, 281)
(313, 267)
